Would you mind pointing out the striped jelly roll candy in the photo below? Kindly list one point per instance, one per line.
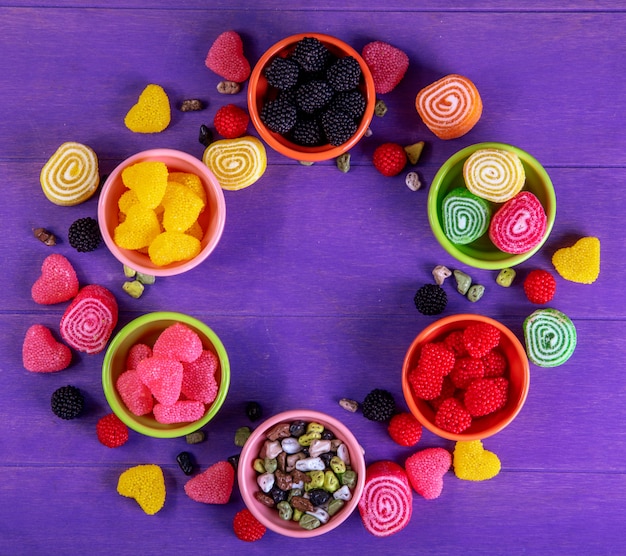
(71, 174)
(550, 337)
(465, 216)
(494, 174)
(519, 224)
(236, 163)
(450, 107)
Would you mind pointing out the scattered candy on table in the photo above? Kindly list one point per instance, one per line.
(151, 113)
(146, 485)
(236, 163)
(550, 337)
(212, 486)
(57, 283)
(226, 57)
(70, 176)
(387, 64)
(425, 470)
(42, 353)
(472, 462)
(386, 505)
(579, 263)
(450, 107)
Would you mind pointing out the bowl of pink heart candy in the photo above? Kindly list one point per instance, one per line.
(165, 374)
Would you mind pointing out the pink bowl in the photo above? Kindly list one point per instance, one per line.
(246, 475)
(518, 375)
(212, 218)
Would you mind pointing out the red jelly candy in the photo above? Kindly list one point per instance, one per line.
(58, 281)
(41, 353)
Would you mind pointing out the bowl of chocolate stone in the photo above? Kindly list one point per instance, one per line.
(301, 473)
(311, 97)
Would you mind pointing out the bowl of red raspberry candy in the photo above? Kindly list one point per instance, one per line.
(465, 377)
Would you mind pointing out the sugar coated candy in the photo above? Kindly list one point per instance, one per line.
(146, 485)
(212, 486)
(151, 113)
(472, 462)
(180, 342)
(71, 174)
(134, 393)
(148, 179)
(579, 263)
(41, 353)
(387, 65)
(450, 107)
(426, 469)
(199, 381)
(139, 229)
(465, 216)
(236, 163)
(182, 411)
(171, 247)
(192, 181)
(550, 337)
(386, 504)
(57, 283)
(226, 58)
(494, 174)
(181, 207)
(163, 376)
(519, 224)
(89, 320)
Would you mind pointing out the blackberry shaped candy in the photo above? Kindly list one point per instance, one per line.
(84, 235)
(279, 115)
(313, 96)
(379, 405)
(67, 402)
(338, 126)
(431, 299)
(311, 54)
(350, 102)
(307, 132)
(282, 73)
(344, 74)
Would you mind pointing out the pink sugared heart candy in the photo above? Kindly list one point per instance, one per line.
(41, 353)
(387, 64)
(225, 57)
(426, 469)
(58, 281)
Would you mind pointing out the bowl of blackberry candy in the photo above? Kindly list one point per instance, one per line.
(311, 97)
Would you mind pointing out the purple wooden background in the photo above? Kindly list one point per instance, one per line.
(311, 286)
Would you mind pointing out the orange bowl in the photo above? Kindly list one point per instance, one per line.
(518, 373)
(259, 92)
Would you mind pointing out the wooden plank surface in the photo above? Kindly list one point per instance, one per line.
(311, 286)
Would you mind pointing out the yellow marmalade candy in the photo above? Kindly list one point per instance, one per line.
(473, 463)
(170, 247)
(196, 231)
(181, 207)
(580, 262)
(193, 182)
(152, 112)
(148, 180)
(139, 228)
(146, 485)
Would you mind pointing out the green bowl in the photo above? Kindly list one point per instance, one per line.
(482, 253)
(146, 329)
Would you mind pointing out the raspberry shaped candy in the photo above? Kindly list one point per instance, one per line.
(486, 395)
(41, 353)
(426, 469)
(426, 384)
(111, 431)
(247, 527)
(231, 122)
(494, 364)
(467, 369)
(405, 429)
(226, 58)
(430, 299)
(454, 342)
(435, 358)
(539, 286)
(389, 159)
(214, 485)
(480, 338)
(387, 63)
(453, 417)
